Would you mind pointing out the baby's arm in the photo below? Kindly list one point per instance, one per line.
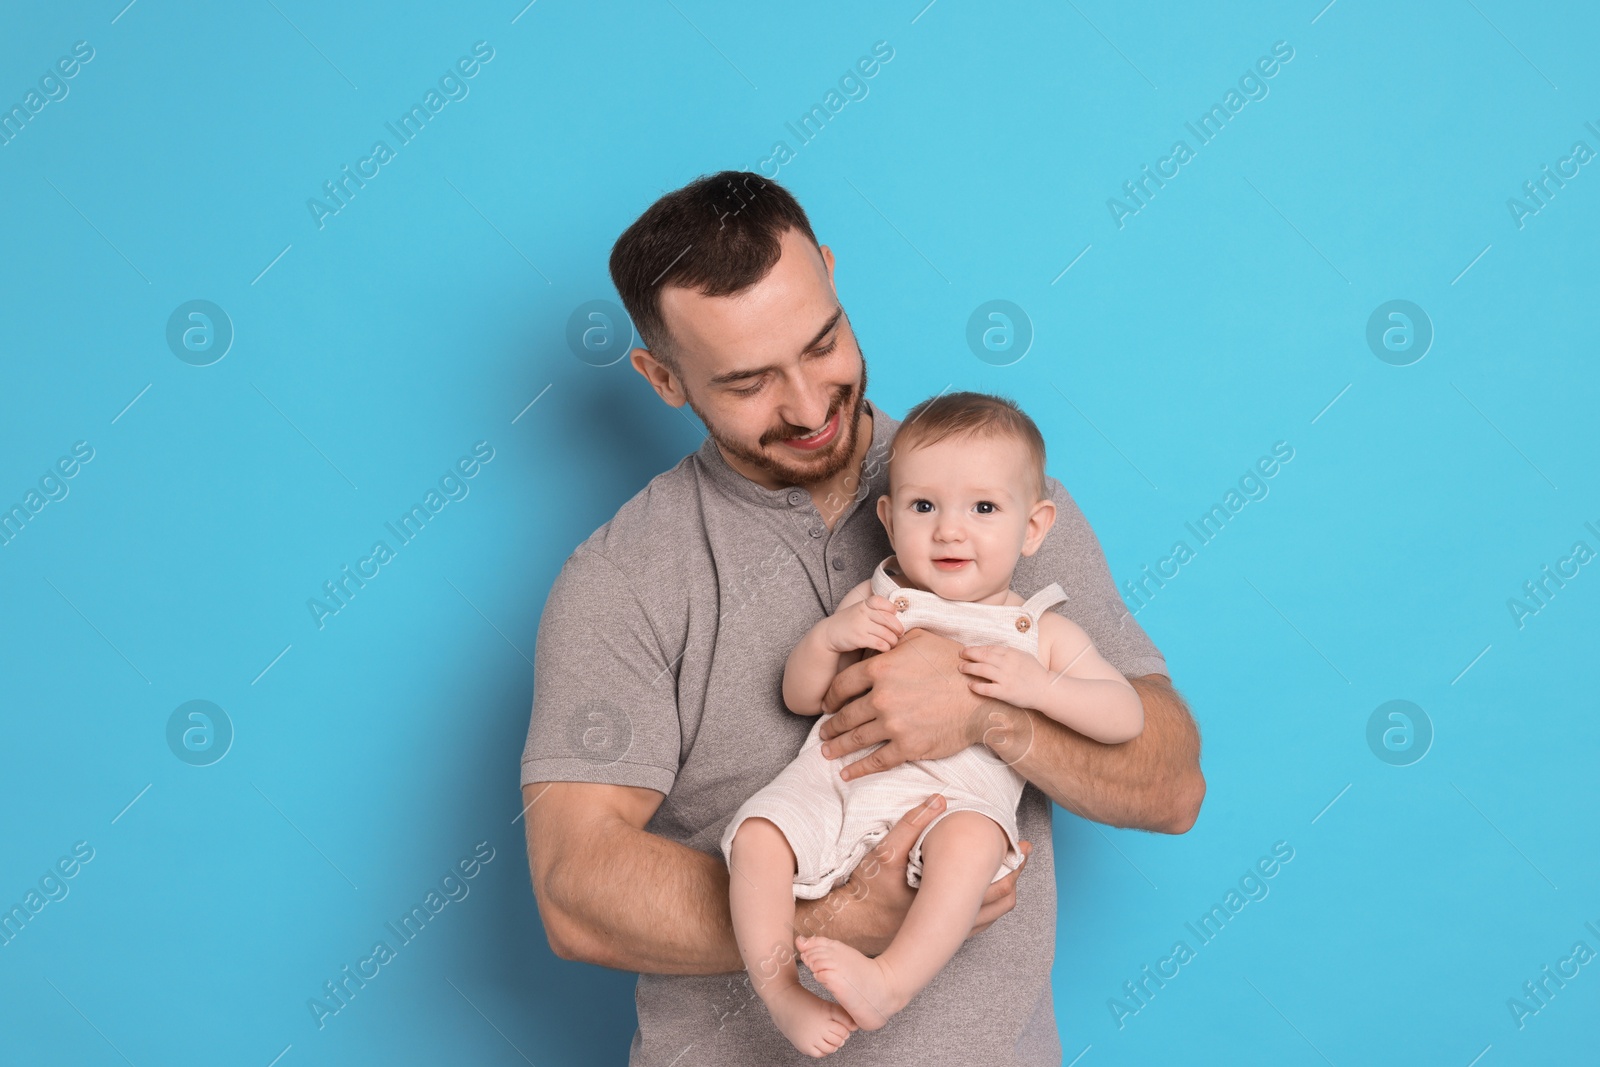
(864, 621)
(1074, 685)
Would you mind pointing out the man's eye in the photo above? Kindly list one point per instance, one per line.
(829, 350)
(749, 390)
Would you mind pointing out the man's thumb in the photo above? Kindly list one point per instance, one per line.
(895, 846)
(918, 817)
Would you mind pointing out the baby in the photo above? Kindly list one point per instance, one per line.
(966, 500)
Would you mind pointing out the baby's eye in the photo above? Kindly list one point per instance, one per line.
(916, 505)
(986, 507)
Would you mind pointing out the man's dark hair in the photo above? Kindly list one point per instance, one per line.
(719, 235)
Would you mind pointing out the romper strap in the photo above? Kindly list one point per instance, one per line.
(1046, 598)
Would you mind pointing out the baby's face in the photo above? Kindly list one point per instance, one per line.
(958, 515)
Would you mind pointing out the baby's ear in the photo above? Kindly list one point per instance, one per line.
(883, 515)
(1040, 520)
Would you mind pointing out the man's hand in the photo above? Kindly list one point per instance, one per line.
(866, 912)
(912, 697)
(916, 701)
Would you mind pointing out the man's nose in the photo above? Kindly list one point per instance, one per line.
(805, 405)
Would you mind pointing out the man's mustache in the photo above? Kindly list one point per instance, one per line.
(782, 435)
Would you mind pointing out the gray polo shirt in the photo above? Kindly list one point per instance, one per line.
(660, 664)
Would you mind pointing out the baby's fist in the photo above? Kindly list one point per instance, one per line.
(867, 624)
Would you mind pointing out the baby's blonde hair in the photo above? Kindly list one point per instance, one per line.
(979, 415)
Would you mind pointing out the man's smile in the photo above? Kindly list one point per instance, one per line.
(818, 438)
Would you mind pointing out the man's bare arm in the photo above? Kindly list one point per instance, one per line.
(611, 893)
(1152, 782)
(915, 699)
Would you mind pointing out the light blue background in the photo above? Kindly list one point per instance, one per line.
(1223, 317)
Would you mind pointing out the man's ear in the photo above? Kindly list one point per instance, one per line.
(1039, 522)
(660, 377)
(827, 259)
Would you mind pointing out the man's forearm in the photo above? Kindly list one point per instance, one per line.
(635, 901)
(1152, 782)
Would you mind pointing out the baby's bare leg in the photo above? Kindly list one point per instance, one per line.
(959, 859)
(761, 897)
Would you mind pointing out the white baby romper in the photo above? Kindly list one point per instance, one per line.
(832, 824)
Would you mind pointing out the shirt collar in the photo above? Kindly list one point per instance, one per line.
(874, 468)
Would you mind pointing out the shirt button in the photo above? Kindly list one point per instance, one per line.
(797, 497)
(838, 564)
(816, 531)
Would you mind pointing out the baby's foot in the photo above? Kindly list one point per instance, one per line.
(813, 1025)
(862, 985)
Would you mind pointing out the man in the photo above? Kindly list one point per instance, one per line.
(659, 667)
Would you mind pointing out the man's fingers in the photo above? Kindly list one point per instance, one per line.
(903, 834)
(864, 736)
(895, 847)
(846, 686)
(1007, 886)
(886, 756)
(847, 718)
(1001, 896)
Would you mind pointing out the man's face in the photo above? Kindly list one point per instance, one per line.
(768, 366)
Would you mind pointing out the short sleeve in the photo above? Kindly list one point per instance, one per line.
(604, 693)
(1071, 555)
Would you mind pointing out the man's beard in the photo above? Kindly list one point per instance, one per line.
(835, 457)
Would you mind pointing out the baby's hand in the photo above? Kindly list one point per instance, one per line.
(870, 623)
(1001, 672)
